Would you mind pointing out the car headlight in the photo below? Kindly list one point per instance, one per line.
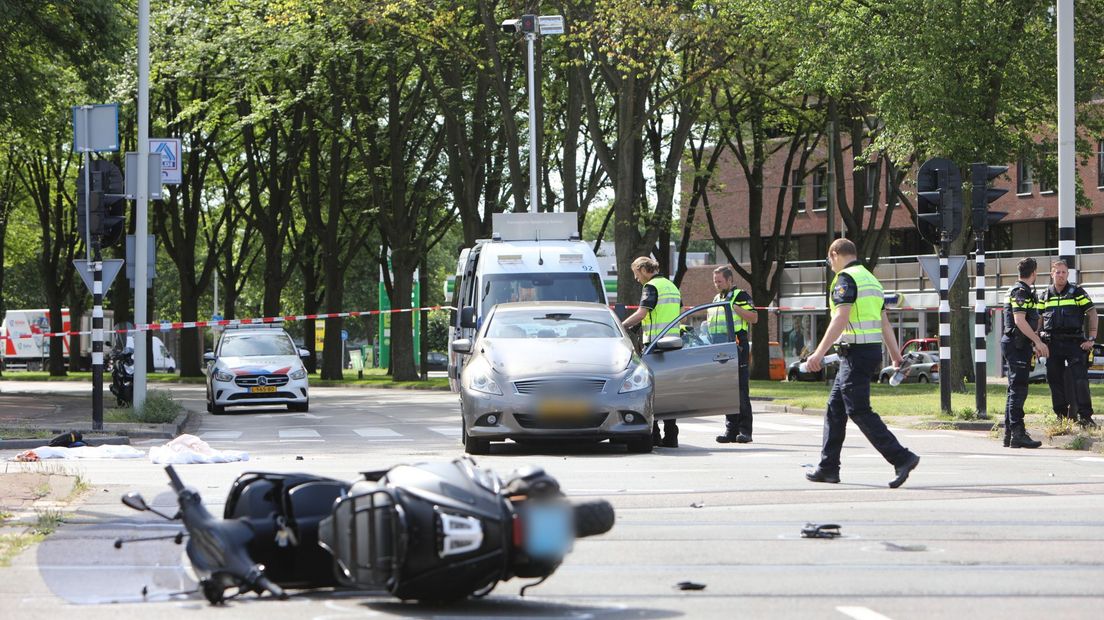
(222, 375)
(480, 380)
(638, 379)
(299, 374)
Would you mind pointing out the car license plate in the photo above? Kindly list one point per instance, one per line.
(554, 408)
(549, 530)
(263, 389)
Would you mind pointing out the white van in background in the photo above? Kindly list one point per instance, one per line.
(530, 257)
(163, 361)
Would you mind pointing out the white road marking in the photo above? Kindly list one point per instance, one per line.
(376, 432)
(298, 433)
(1091, 459)
(862, 613)
(216, 435)
(771, 426)
(986, 456)
(448, 431)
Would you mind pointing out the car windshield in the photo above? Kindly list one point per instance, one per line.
(510, 287)
(532, 323)
(246, 345)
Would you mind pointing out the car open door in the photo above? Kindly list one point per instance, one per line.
(703, 376)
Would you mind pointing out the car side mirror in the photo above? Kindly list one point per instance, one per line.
(209, 356)
(668, 343)
(304, 353)
(467, 317)
(461, 346)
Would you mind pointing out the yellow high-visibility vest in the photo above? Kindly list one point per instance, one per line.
(865, 324)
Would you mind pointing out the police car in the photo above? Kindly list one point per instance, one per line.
(256, 365)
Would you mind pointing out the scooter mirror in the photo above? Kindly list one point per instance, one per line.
(135, 500)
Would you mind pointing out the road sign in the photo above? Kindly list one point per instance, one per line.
(344, 335)
(154, 174)
(111, 267)
(169, 150)
(96, 128)
(931, 268)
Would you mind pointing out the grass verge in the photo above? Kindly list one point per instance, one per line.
(159, 408)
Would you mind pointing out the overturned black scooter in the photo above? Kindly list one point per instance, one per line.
(434, 532)
(122, 376)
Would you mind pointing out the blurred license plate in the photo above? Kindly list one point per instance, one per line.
(554, 408)
(549, 530)
(263, 389)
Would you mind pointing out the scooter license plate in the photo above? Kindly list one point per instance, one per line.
(549, 530)
(263, 389)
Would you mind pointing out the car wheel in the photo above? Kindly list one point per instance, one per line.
(640, 445)
(473, 445)
(216, 409)
(301, 407)
(793, 375)
(923, 379)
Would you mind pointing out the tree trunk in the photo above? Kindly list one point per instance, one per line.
(402, 327)
(191, 342)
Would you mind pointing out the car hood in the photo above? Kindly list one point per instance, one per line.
(260, 365)
(532, 356)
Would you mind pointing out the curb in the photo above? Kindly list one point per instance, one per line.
(123, 433)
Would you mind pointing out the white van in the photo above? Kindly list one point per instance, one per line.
(530, 257)
(163, 361)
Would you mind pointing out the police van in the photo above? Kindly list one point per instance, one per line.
(529, 257)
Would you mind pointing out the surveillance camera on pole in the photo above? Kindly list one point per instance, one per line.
(533, 26)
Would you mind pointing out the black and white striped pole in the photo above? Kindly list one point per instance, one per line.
(980, 197)
(944, 328)
(97, 337)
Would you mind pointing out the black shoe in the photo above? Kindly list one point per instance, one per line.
(670, 441)
(1087, 424)
(737, 438)
(657, 440)
(1024, 441)
(819, 475)
(903, 471)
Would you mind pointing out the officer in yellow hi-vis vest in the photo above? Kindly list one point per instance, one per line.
(859, 326)
(660, 303)
(1065, 307)
(737, 426)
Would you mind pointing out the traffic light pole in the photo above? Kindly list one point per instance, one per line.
(979, 327)
(97, 338)
(944, 327)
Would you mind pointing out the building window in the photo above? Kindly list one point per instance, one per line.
(871, 183)
(1100, 164)
(798, 183)
(999, 238)
(1084, 229)
(1023, 177)
(820, 189)
(1045, 185)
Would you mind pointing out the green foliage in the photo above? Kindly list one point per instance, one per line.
(159, 408)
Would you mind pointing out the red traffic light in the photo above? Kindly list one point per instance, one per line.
(529, 23)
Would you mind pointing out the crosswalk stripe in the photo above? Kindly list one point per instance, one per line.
(448, 431)
(376, 432)
(298, 433)
(217, 435)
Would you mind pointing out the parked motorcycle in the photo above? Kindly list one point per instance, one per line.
(432, 532)
(122, 376)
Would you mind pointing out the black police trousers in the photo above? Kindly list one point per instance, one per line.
(1017, 366)
(850, 398)
(741, 423)
(1068, 376)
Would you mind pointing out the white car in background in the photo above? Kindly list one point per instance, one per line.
(254, 365)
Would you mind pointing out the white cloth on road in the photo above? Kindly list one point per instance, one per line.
(88, 452)
(191, 449)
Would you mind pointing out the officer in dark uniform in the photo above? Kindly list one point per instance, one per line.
(1021, 318)
(1064, 307)
(860, 326)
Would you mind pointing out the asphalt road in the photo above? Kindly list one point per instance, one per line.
(978, 530)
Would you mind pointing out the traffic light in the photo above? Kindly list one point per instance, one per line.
(982, 194)
(106, 208)
(529, 24)
(939, 201)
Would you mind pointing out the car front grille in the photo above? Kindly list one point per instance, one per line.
(255, 380)
(563, 386)
(593, 420)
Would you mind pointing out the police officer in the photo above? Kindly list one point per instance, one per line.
(860, 325)
(1064, 307)
(737, 426)
(1021, 319)
(660, 303)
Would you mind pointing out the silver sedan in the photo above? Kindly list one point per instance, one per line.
(568, 370)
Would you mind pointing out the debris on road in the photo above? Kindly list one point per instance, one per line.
(690, 585)
(827, 530)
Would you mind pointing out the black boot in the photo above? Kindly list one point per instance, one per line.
(1020, 439)
(670, 434)
(656, 439)
(1007, 434)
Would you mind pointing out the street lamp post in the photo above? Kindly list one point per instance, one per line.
(533, 26)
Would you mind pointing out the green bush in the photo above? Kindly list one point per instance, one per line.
(159, 408)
